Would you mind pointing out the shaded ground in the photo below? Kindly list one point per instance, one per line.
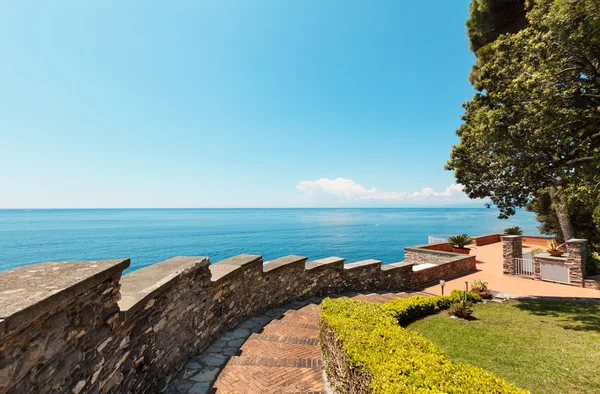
(542, 346)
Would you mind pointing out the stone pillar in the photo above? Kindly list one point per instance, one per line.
(512, 248)
(576, 259)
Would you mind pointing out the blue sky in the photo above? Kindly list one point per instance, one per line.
(262, 103)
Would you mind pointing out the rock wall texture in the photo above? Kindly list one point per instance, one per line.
(512, 248)
(81, 327)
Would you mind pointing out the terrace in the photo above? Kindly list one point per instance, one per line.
(490, 269)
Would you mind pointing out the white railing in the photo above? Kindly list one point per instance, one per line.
(433, 239)
(524, 267)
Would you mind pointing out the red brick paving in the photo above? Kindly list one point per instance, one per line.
(257, 348)
(285, 357)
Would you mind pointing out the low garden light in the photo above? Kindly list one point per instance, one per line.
(442, 284)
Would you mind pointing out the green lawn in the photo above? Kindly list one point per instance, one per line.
(542, 346)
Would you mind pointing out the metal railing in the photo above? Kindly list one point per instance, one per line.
(433, 239)
(524, 267)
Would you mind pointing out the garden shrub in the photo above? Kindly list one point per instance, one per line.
(481, 287)
(396, 359)
(461, 309)
(405, 310)
(593, 263)
(459, 295)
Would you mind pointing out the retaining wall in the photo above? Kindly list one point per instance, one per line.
(487, 239)
(81, 327)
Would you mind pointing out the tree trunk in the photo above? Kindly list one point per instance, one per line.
(560, 206)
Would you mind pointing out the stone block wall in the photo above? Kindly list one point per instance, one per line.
(81, 327)
(429, 253)
(512, 248)
(57, 319)
(576, 261)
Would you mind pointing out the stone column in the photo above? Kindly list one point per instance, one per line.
(576, 259)
(512, 248)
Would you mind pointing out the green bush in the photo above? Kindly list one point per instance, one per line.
(513, 231)
(481, 287)
(460, 241)
(593, 263)
(461, 309)
(399, 360)
(459, 295)
(405, 310)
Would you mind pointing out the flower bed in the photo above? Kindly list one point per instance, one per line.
(367, 351)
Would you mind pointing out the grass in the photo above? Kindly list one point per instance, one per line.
(542, 346)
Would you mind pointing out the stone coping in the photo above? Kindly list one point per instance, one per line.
(28, 292)
(336, 262)
(241, 260)
(449, 256)
(363, 264)
(285, 261)
(420, 267)
(388, 267)
(232, 266)
(144, 284)
(425, 247)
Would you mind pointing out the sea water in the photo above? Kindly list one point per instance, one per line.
(148, 236)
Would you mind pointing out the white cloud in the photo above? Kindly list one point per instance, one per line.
(428, 192)
(350, 190)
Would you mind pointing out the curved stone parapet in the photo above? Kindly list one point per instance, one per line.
(80, 327)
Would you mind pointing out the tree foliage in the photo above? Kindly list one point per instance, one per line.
(533, 126)
(490, 18)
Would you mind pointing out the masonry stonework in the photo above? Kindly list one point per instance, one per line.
(81, 327)
(512, 248)
(576, 261)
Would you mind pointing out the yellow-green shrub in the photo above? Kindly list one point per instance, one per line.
(397, 359)
(459, 295)
(406, 310)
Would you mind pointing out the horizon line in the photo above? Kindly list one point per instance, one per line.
(115, 208)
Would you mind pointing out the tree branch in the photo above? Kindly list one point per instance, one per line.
(579, 160)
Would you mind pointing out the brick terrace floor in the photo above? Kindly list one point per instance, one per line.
(277, 352)
(489, 269)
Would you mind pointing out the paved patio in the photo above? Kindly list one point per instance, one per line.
(489, 269)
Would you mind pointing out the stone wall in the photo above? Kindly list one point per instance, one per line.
(57, 318)
(512, 248)
(429, 253)
(79, 327)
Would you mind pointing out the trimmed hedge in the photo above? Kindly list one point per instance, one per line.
(406, 310)
(396, 360)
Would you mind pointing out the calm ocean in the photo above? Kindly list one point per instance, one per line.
(151, 235)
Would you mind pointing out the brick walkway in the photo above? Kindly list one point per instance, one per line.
(277, 352)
